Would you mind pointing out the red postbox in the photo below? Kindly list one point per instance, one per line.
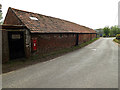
(34, 44)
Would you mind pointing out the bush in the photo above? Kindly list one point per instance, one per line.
(118, 36)
(116, 40)
(104, 35)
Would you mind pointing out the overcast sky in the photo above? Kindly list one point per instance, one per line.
(91, 13)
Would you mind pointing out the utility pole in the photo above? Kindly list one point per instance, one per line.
(119, 14)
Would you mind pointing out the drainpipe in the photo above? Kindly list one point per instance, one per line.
(77, 36)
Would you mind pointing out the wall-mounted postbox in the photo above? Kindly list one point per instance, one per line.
(34, 44)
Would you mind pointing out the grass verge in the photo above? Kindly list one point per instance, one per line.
(116, 40)
(23, 62)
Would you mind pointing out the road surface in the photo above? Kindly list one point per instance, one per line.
(94, 66)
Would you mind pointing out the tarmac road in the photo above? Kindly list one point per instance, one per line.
(94, 66)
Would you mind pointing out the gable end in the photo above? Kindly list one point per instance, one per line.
(11, 18)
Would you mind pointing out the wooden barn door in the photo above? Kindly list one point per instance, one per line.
(16, 44)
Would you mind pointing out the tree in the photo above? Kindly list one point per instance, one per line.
(115, 30)
(1, 14)
(112, 31)
(118, 32)
(106, 31)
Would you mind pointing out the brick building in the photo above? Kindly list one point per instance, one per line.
(26, 33)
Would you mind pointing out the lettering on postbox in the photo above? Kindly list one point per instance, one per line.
(34, 44)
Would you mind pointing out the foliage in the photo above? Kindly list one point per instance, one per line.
(117, 41)
(106, 31)
(1, 14)
(109, 31)
(114, 30)
(118, 36)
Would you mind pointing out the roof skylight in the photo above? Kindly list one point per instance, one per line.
(33, 18)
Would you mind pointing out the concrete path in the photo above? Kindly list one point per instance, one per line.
(94, 66)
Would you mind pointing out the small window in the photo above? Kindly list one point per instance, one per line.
(33, 18)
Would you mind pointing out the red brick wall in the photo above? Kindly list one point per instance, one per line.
(86, 37)
(51, 42)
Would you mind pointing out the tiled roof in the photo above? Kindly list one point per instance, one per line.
(47, 24)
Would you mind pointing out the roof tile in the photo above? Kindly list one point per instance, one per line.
(47, 24)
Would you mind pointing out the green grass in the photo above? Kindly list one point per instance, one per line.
(20, 63)
(117, 41)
